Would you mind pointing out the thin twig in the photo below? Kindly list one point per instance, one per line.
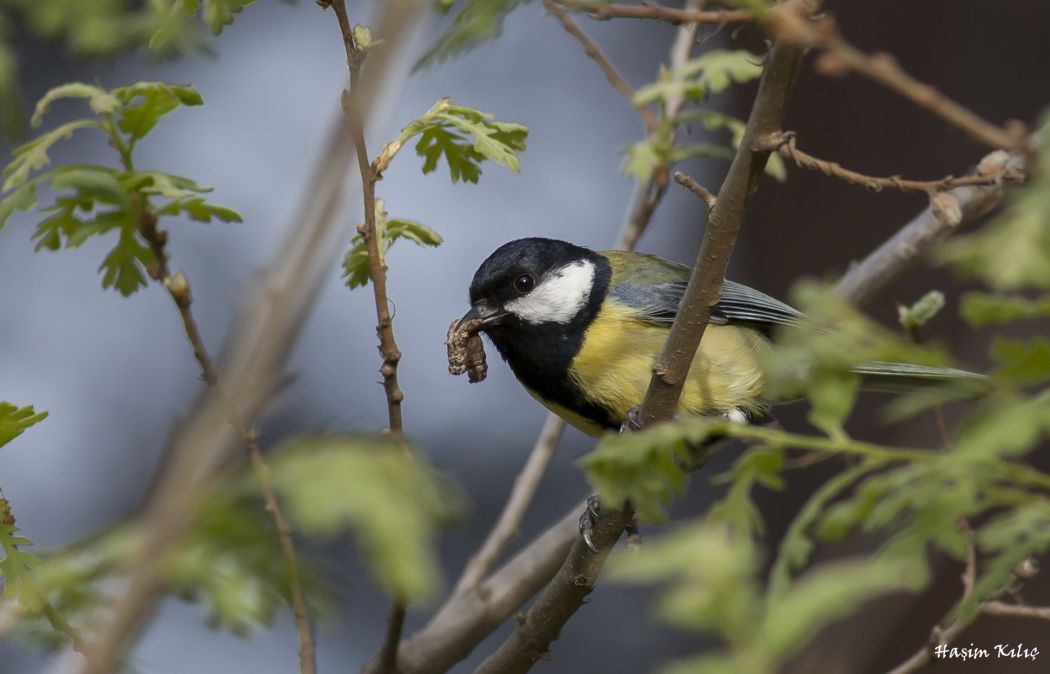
(784, 144)
(267, 326)
(951, 210)
(377, 269)
(179, 290)
(525, 485)
(601, 10)
(723, 221)
(696, 188)
(1000, 608)
(611, 73)
(841, 57)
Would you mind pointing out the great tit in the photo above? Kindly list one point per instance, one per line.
(581, 329)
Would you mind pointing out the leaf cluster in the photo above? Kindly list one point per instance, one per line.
(99, 28)
(464, 137)
(473, 23)
(710, 73)
(388, 230)
(93, 200)
(388, 497)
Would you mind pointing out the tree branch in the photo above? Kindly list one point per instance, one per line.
(946, 213)
(723, 222)
(644, 201)
(377, 269)
(1000, 608)
(784, 144)
(696, 188)
(565, 593)
(600, 10)
(525, 485)
(611, 73)
(841, 57)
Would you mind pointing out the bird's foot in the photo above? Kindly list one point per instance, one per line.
(633, 422)
(590, 516)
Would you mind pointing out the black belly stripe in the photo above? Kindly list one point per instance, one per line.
(540, 354)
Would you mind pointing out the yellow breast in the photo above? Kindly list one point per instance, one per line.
(614, 365)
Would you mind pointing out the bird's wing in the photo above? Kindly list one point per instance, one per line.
(739, 305)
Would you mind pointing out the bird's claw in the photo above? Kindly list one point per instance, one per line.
(590, 516)
(587, 520)
(633, 422)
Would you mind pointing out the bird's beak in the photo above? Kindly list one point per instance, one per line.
(487, 314)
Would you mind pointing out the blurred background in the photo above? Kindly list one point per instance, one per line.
(115, 374)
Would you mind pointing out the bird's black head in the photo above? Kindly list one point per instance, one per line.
(534, 283)
(536, 298)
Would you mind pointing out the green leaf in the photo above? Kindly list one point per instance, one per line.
(984, 309)
(642, 159)
(15, 420)
(355, 264)
(830, 592)
(171, 22)
(33, 155)
(144, 103)
(464, 137)
(643, 467)
(17, 566)
(832, 396)
(96, 184)
(1022, 362)
(475, 22)
(100, 100)
(200, 210)
(219, 13)
(715, 121)
(1005, 541)
(919, 314)
(796, 545)
(21, 199)
(1006, 425)
(498, 141)
(711, 575)
(124, 267)
(711, 72)
(737, 510)
(376, 487)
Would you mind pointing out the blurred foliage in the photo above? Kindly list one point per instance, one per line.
(17, 566)
(229, 563)
(97, 28)
(393, 502)
(92, 200)
(473, 23)
(710, 73)
(915, 498)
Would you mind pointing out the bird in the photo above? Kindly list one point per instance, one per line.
(580, 329)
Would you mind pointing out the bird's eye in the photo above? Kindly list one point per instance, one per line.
(524, 283)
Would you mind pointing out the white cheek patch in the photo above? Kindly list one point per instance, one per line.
(558, 298)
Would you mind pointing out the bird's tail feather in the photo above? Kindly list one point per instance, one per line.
(904, 377)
